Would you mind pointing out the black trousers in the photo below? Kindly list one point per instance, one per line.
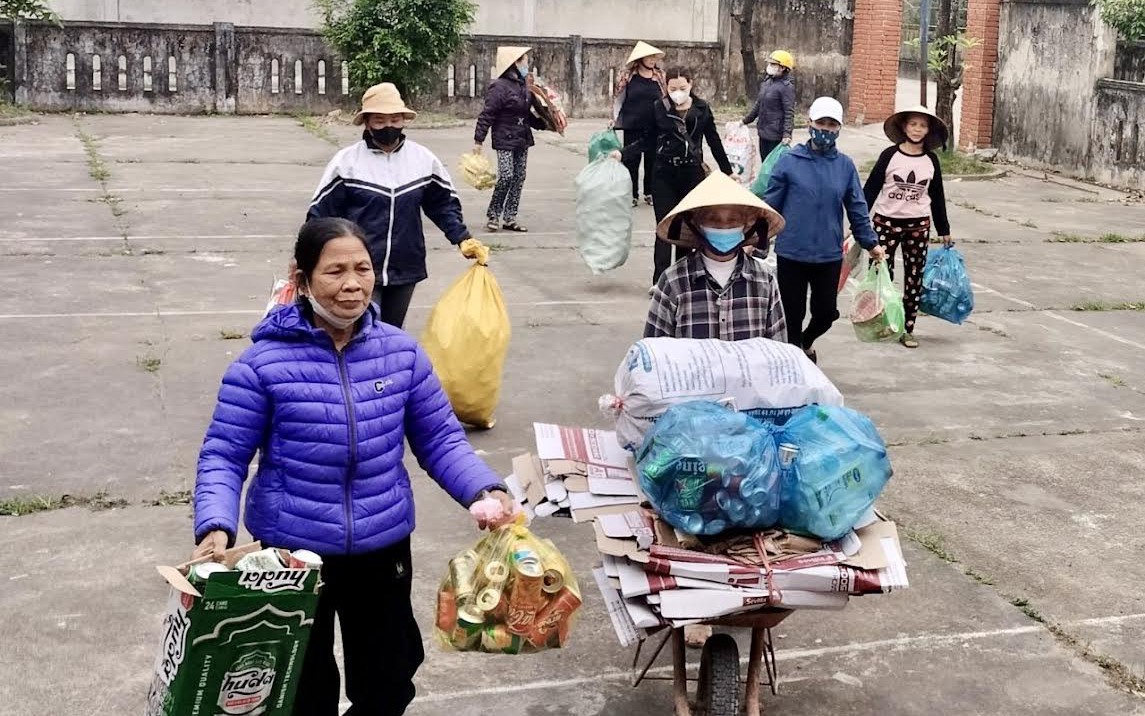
(766, 146)
(394, 302)
(646, 138)
(795, 279)
(381, 643)
(670, 185)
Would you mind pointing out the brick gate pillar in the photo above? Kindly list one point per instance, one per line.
(982, 20)
(875, 60)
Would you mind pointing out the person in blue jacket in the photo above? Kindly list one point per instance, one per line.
(327, 397)
(384, 183)
(774, 109)
(812, 186)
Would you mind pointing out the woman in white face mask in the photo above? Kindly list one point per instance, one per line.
(683, 122)
(774, 109)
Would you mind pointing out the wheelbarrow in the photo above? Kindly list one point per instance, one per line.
(718, 681)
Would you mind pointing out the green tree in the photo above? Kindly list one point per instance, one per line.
(27, 10)
(1126, 16)
(399, 41)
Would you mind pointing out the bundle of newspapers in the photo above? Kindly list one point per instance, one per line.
(653, 576)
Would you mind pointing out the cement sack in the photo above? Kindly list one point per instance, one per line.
(765, 378)
(739, 143)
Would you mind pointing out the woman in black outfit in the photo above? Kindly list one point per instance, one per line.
(683, 121)
(640, 84)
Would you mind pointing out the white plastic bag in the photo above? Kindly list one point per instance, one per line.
(765, 378)
(604, 214)
(739, 143)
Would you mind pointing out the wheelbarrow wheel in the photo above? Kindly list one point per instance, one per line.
(718, 692)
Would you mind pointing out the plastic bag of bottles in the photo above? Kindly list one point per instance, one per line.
(834, 467)
(877, 312)
(477, 171)
(706, 469)
(510, 593)
(946, 290)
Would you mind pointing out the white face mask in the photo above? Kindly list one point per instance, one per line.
(774, 70)
(336, 321)
(680, 96)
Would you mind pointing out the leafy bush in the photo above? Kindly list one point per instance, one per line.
(27, 10)
(1126, 16)
(399, 41)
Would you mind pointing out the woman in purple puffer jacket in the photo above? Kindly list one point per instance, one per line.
(328, 395)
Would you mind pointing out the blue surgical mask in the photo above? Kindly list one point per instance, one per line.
(824, 138)
(523, 69)
(723, 241)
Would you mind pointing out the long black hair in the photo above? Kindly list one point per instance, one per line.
(315, 234)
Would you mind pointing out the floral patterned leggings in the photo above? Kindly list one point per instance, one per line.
(914, 237)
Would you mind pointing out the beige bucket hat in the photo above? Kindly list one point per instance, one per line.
(935, 138)
(642, 50)
(507, 57)
(717, 190)
(383, 99)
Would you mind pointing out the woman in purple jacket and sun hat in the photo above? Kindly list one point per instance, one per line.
(327, 396)
(507, 113)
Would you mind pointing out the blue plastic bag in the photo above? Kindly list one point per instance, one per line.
(837, 474)
(706, 469)
(946, 290)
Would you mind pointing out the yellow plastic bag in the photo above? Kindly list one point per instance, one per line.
(467, 338)
(477, 171)
(511, 593)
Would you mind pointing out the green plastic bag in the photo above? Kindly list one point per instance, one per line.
(759, 186)
(602, 144)
(604, 214)
(877, 312)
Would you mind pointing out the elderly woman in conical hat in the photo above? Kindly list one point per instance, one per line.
(638, 86)
(722, 289)
(507, 115)
(905, 192)
(360, 184)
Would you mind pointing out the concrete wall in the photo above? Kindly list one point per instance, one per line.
(1118, 134)
(1051, 55)
(817, 32)
(253, 70)
(687, 20)
(1129, 62)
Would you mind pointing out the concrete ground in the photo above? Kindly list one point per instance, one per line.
(137, 250)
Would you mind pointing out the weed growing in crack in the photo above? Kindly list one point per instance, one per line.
(20, 506)
(1114, 380)
(1103, 306)
(315, 127)
(169, 499)
(149, 363)
(228, 334)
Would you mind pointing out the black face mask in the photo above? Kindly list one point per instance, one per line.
(384, 137)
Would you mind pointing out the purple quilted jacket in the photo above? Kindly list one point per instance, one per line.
(331, 430)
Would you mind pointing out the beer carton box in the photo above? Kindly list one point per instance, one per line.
(234, 644)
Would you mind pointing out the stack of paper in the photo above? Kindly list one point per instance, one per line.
(577, 471)
(649, 580)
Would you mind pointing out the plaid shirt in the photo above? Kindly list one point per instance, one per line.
(687, 303)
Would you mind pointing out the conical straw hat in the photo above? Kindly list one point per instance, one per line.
(383, 99)
(507, 57)
(642, 50)
(935, 138)
(717, 190)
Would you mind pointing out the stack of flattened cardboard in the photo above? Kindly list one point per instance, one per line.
(650, 579)
(576, 471)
